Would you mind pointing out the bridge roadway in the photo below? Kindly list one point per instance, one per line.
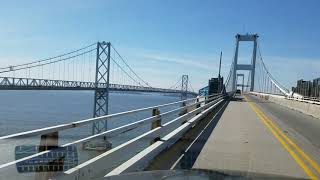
(257, 136)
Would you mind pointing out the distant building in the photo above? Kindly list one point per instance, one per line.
(316, 88)
(308, 88)
(215, 85)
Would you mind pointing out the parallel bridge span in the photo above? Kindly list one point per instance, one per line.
(13, 83)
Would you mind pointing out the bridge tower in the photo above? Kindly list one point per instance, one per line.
(249, 67)
(184, 87)
(242, 82)
(101, 95)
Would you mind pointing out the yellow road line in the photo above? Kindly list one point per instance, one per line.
(298, 160)
(294, 145)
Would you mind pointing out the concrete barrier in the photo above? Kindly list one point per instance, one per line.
(305, 107)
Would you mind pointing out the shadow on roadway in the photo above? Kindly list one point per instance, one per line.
(186, 150)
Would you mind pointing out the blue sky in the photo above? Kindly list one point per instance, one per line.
(163, 39)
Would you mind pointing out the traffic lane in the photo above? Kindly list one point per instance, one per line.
(310, 167)
(293, 121)
(299, 127)
(241, 142)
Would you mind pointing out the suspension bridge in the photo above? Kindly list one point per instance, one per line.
(99, 67)
(264, 131)
(79, 70)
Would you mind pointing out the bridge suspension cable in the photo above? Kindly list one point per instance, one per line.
(264, 80)
(228, 82)
(71, 66)
(76, 65)
(190, 85)
(176, 85)
(148, 84)
(98, 65)
(259, 77)
(11, 68)
(125, 71)
(48, 59)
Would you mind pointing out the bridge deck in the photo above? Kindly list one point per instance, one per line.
(242, 142)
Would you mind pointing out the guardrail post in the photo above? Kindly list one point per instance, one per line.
(199, 105)
(206, 100)
(47, 142)
(184, 111)
(155, 123)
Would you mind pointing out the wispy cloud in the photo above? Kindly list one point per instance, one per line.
(182, 61)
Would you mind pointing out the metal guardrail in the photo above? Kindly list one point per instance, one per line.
(108, 133)
(142, 159)
(317, 99)
(109, 161)
(267, 94)
(305, 100)
(80, 123)
(212, 101)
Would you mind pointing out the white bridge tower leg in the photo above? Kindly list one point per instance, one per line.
(248, 67)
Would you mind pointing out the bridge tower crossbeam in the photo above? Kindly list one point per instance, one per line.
(247, 67)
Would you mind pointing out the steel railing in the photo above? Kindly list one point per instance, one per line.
(109, 161)
(303, 99)
(80, 123)
(112, 132)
